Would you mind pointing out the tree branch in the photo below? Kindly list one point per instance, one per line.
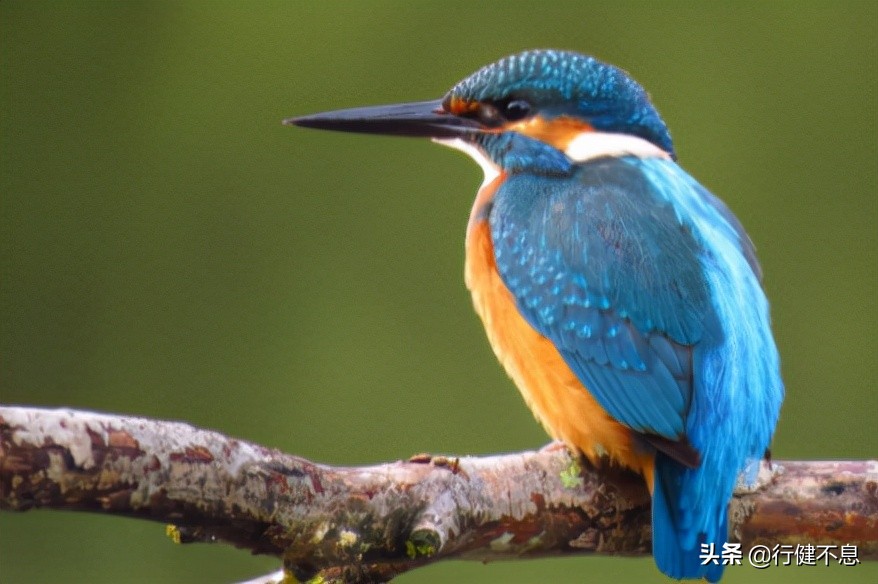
(368, 524)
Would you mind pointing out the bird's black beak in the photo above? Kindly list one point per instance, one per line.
(423, 119)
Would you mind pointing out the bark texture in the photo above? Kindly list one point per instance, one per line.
(368, 524)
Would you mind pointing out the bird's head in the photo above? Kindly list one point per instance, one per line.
(536, 103)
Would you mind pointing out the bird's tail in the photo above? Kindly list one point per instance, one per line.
(681, 525)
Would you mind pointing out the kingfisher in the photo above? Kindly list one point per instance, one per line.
(623, 298)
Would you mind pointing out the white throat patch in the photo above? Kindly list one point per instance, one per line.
(490, 169)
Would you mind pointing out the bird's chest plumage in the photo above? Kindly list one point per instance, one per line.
(551, 390)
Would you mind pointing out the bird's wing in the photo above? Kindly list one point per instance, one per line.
(604, 266)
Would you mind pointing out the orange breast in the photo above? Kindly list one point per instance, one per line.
(557, 398)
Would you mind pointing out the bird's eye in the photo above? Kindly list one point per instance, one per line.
(494, 114)
(516, 109)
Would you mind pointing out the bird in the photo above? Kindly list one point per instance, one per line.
(624, 299)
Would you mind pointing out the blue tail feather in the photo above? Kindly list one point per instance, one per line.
(679, 530)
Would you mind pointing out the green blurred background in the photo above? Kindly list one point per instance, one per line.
(170, 250)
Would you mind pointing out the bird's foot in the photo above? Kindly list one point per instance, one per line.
(451, 463)
(576, 455)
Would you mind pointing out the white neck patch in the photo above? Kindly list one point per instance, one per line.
(591, 145)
